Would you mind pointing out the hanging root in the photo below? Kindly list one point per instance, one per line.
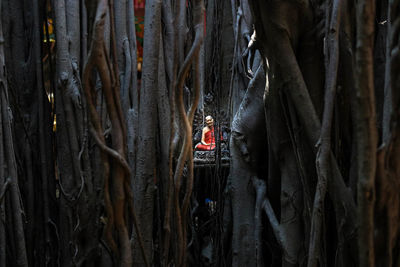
(186, 151)
(4, 189)
(323, 165)
(118, 179)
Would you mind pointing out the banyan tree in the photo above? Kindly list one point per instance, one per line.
(199, 133)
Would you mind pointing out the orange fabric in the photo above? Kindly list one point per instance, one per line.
(209, 138)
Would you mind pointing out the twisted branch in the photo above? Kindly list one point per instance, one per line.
(193, 55)
(323, 155)
(99, 59)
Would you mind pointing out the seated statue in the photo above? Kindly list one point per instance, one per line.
(207, 136)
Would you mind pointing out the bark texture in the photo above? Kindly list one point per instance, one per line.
(97, 167)
(366, 133)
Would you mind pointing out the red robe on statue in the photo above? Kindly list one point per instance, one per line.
(209, 139)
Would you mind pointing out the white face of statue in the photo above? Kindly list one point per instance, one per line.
(209, 121)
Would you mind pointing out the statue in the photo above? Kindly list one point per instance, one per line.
(207, 136)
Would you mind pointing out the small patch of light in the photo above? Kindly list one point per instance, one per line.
(50, 97)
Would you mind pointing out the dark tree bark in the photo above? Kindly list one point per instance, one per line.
(247, 147)
(12, 211)
(312, 179)
(146, 176)
(387, 205)
(31, 126)
(366, 131)
(80, 198)
(323, 155)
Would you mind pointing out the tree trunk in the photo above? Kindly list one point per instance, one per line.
(366, 132)
(144, 185)
(247, 149)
